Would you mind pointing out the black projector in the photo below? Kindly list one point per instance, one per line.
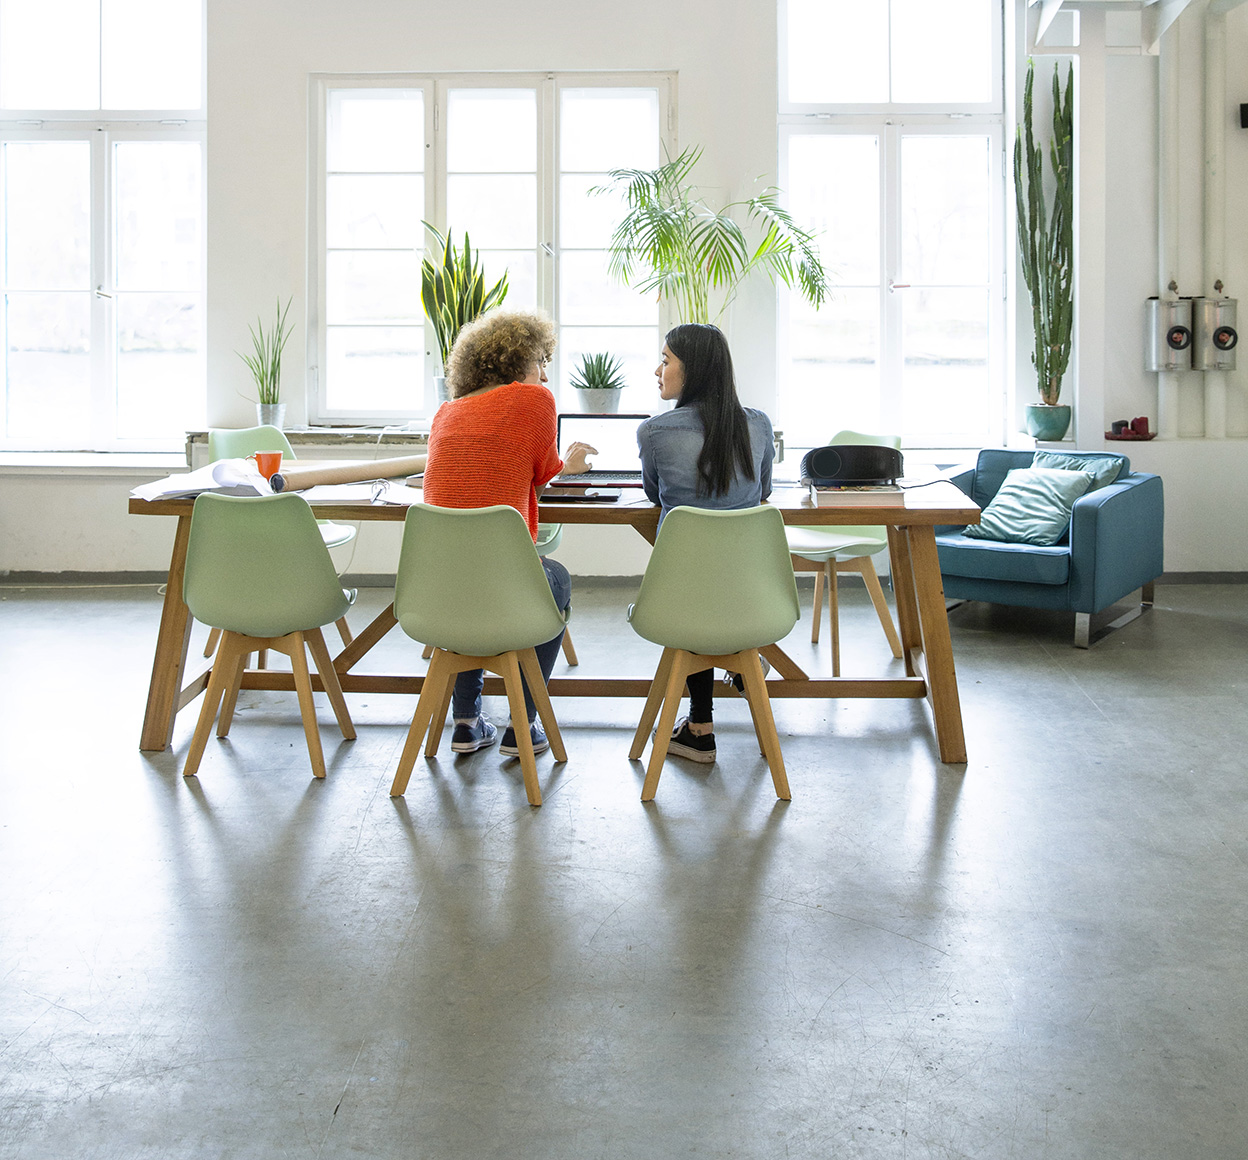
(851, 465)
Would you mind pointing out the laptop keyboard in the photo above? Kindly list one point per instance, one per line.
(600, 479)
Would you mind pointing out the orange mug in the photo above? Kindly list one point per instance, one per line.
(269, 462)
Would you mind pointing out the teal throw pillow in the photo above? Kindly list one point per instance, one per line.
(1032, 506)
(1104, 470)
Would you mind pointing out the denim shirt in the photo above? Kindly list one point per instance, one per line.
(670, 444)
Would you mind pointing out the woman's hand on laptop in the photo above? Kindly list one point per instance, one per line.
(574, 461)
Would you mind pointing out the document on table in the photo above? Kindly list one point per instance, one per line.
(225, 477)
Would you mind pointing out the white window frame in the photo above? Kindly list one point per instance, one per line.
(891, 122)
(435, 86)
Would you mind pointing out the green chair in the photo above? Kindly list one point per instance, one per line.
(719, 586)
(549, 537)
(470, 584)
(238, 443)
(829, 551)
(258, 570)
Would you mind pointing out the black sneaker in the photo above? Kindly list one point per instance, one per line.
(738, 682)
(685, 744)
(536, 733)
(474, 735)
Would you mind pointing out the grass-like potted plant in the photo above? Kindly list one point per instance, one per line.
(1046, 249)
(265, 364)
(696, 256)
(452, 290)
(598, 380)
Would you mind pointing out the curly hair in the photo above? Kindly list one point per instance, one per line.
(499, 347)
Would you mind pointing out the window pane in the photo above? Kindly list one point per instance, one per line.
(152, 54)
(588, 295)
(834, 190)
(49, 367)
(587, 220)
(160, 368)
(498, 212)
(491, 131)
(377, 368)
(158, 199)
(521, 269)
(365, 286)
(838, 50)
(833, 377)
(945, 215)
(381, 211)
(942, 52)
(945, 350)
(50, 54)
(47, 208)
(375, 131)
(602, 129)
(636, 347)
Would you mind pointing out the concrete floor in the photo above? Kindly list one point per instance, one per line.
(1041, 954)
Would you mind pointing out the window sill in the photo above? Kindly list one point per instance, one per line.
(149, 464)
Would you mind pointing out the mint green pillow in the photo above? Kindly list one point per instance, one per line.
(1104, 471)
(1032, 506)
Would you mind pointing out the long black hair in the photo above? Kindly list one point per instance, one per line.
(711, 387)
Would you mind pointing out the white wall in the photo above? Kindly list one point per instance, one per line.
(260, 53)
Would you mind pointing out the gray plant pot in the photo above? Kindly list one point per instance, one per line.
(271, 415)
(598, 402)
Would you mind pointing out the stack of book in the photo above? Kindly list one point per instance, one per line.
(865, 495)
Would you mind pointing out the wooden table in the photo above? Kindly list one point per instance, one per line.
(921, 620)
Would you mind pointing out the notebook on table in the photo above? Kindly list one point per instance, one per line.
(617, 464)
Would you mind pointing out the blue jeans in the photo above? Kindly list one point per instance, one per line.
(466, 701)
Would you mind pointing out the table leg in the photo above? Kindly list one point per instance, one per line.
(169, 663)
(942, 680)
(903, 591)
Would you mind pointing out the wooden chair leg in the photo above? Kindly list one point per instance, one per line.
(329, 678)
(440, 673)
(653, 700)
(752, 677)
(681, 667)
(834, 617)
(303, 687)
(510, 665)
(344, 630)
(228, 703)
(541, 700)
(214, 635)
(818, 611)
(569, 652)
(427, 653)
(865, 566)
(437, 722)
(218, 681)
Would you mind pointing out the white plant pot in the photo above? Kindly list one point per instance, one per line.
(598, 402)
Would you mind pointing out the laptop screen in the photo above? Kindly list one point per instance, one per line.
(615, 436)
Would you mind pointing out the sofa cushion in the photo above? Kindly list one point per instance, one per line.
(1105, 468)
(1032, 506)
(993, 560)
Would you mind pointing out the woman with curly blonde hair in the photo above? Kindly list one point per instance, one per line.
(494, 443)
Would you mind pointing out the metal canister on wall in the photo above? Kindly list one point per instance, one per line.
(1214, 335)
(1169, 339)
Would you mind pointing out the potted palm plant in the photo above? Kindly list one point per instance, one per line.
(598, 380)
(1046, 251)
(453, 293)
(671, 241)
(265, 364)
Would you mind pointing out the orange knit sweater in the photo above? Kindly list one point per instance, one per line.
(493, 448)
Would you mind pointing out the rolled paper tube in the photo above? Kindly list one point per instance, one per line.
(297, 476)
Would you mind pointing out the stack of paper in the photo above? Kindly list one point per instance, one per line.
(225, 476)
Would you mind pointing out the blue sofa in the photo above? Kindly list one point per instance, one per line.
(1112, 547)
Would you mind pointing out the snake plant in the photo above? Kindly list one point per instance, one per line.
(1046, 240)
(452, 290)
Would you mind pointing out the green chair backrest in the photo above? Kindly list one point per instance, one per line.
(861, 439)
(238, 443)
(718, 582)
(470, 581)
(259, 566)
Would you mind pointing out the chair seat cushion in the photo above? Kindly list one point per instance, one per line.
(1032, 506)
(995, 560)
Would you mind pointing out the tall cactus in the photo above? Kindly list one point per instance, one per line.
(1046, 244)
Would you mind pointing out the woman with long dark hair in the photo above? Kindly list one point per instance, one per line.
(708, 452)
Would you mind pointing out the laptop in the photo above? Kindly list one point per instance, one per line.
(617, 464)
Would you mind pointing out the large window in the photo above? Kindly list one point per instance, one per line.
(893, 153)
(511, 161)
(101, 223)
